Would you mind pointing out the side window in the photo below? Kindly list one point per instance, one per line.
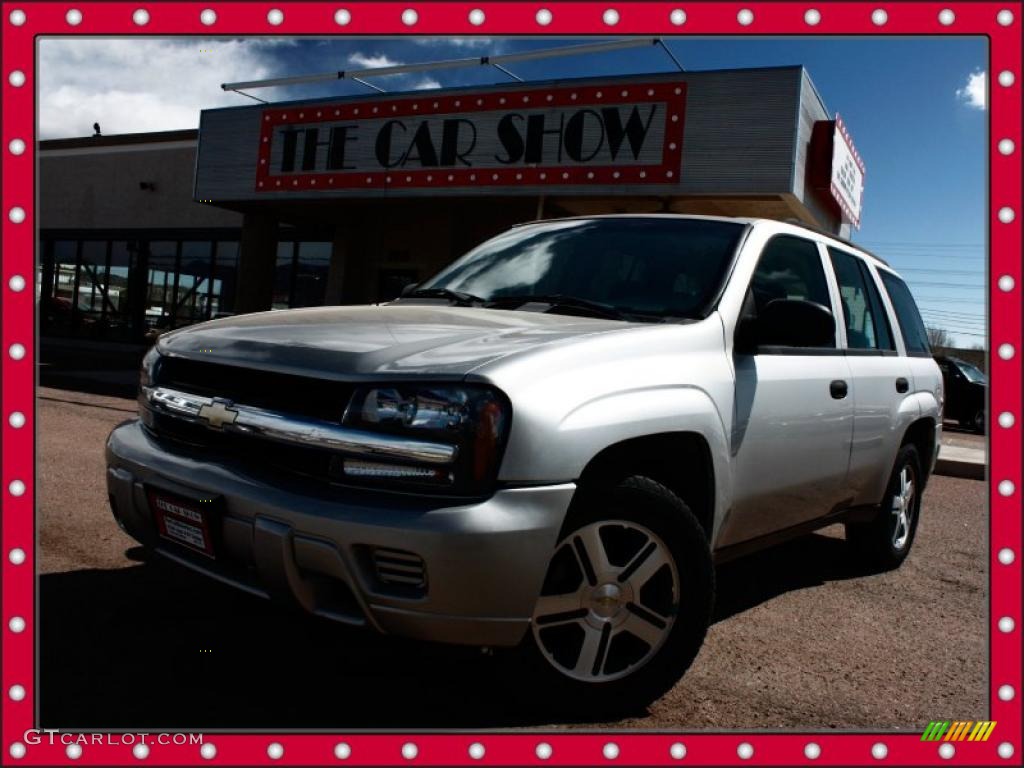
(789, 268)
(866, 324)
(915, 337)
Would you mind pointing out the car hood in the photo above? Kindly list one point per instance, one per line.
(368, 341)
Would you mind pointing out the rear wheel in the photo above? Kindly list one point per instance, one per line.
(885, 541)
(978, 422)
(626, 601)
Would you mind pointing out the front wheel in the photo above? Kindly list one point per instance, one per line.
(885, 541)
(626, 601)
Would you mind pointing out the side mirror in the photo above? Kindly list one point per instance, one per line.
(409, 289)
(789, 323)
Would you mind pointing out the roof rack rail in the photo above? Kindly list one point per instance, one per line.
(818, 230)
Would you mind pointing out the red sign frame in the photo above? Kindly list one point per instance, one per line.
(1000, 22)
(463, 103)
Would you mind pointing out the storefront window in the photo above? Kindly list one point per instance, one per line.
(225, 271)
(122, 289)
(161, 284)
(283, 273)
(123, 260)
(92, 288)
(193, 299)
(56, 308)
(310, 286)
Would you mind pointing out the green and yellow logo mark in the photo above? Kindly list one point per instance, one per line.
(958, 730)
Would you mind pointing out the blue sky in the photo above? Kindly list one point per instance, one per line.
(915, 108)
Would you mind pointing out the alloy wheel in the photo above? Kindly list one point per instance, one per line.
(608, 603)
(903, 508)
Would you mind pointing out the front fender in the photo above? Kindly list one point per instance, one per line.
(558, 452)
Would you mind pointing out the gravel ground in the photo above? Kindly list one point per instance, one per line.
(802, 637)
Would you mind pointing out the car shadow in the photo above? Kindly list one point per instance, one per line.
(957, 428)
(155, 646)
(802, 563)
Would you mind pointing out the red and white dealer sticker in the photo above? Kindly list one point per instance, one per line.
(182, 521)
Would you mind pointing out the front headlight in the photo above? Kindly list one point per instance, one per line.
(474, 419)
(147, 371)
(147, 378)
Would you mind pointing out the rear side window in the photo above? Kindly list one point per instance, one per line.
(915, 337)
(866, 324)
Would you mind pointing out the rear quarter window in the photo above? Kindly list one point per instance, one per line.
(915, 337)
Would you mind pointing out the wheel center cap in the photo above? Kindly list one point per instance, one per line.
(606, 600)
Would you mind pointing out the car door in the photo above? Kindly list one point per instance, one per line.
(881, 378)
(793, 408)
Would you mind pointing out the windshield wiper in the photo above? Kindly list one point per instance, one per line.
(561, 300)
(458, 298)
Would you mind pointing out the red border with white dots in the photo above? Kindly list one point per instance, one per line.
(1001, 22)
(672, 94)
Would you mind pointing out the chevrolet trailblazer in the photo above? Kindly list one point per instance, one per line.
(547, 445)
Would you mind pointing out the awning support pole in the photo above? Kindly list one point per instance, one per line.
(368, 85)
(250, 96)
(404, 69)
(671, 55)
(500, 68)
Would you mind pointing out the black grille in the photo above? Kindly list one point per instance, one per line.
(283, 392)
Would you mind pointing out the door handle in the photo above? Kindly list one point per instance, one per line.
(838, 389)
(902, 385)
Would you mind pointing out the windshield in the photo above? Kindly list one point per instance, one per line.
(972, 373)
(666, 267)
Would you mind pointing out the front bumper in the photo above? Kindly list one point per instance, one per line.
(314, 545)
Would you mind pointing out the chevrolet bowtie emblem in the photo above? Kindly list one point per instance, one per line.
(218, 413)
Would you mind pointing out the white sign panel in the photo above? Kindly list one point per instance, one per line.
(847, 180)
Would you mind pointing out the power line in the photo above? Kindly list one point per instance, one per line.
(955, 321)
(919, 255)
(950, 300)
(960, 318)
(967, 333)
(941, 271)
(937, 284)
(923, 243)
(962, 315)
(947, 318)
(945, 324)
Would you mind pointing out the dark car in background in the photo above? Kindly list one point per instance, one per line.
(965, 387)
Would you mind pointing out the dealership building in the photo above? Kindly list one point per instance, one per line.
(348, 200)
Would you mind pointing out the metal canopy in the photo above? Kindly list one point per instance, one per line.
(359, 75)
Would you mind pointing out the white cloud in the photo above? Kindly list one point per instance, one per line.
(456, 42)
(133, 85)
(372, 61)
(426, 84)
(974, 91)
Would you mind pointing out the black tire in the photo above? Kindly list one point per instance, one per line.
(978, 422)
(649, 505)
(878, 542)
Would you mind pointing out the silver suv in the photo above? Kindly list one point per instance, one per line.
(548, 445)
